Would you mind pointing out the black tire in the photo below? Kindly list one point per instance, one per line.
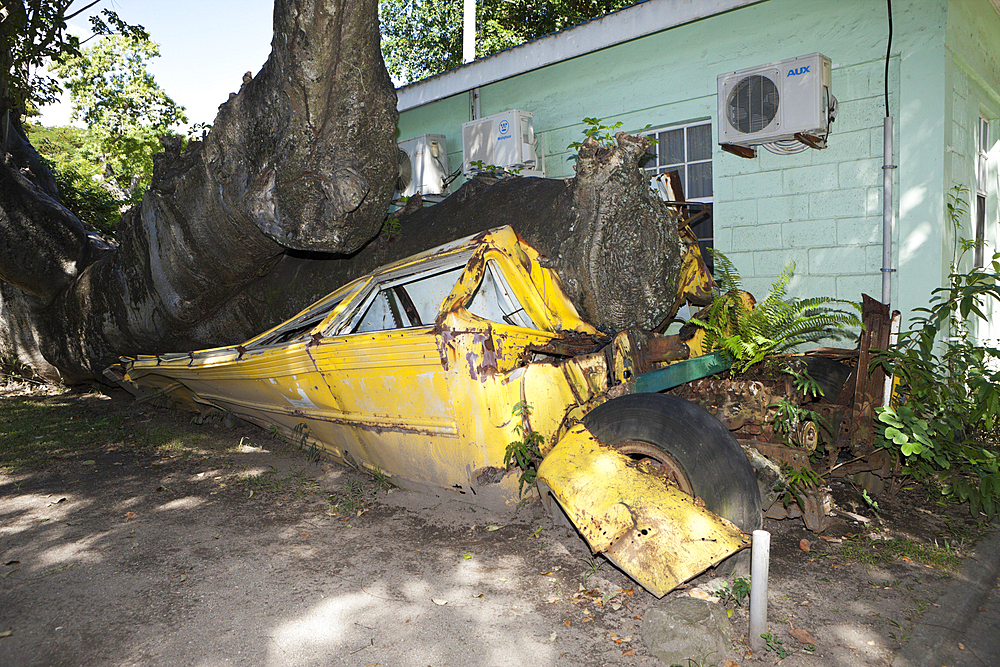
(716, 468)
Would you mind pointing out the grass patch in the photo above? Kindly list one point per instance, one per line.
(882, 551)
(35, 430)
(357, 494)
(296, 483)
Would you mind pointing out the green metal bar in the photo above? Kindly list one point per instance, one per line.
(680, 373)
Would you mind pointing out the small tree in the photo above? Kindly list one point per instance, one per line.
(125, 110)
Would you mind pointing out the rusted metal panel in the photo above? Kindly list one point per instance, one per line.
(634, 514)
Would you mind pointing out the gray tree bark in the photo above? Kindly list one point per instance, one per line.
(283, 202)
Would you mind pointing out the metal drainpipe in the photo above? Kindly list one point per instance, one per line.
(887, 217)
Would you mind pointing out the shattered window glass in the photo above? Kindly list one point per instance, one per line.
(408, 302)
(495, 301)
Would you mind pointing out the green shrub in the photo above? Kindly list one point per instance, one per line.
(775, 325)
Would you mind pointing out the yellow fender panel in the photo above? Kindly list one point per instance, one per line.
(629, 511)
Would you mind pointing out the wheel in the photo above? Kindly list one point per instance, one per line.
(688, 443)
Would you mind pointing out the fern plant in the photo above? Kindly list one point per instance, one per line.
(748, 333)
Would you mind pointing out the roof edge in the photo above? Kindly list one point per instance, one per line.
(639, 20)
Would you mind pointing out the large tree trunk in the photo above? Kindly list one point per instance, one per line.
(284, 201)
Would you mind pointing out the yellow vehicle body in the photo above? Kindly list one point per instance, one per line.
(414, 371)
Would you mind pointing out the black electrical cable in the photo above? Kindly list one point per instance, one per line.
(888, 48)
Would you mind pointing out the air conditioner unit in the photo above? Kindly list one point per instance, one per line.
(502, 140)
(786, 100)
(423, 166)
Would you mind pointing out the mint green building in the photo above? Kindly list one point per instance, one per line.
(656, 64)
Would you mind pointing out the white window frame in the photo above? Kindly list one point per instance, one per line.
(979, 205)
(706, 241)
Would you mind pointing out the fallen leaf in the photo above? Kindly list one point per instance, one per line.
(251, 494)
(13, 562)
(553, 599)
(631, 651)
(439, 602)
(637, 617)
(961, 646)
(61, 500)
(730, 663)
(802, 636)
(871, 643)
(544, 574)
(835, 540)
(88, 463)
(303, 534)
(490, 528)
(552, 637)
(479, 596)
(130, 515)
(184, 577)
(586, 618)
(468, 556)
(905, 559)
(804, 544)
(6, 633)
(566, 622)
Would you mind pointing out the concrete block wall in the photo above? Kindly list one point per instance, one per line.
(821, 210)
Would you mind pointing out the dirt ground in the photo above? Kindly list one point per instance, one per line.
(240, 550)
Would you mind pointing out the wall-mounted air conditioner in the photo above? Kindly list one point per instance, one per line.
(423, 166)
(787, 100)
(502, 140)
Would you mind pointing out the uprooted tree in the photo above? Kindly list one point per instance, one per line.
(284, 201)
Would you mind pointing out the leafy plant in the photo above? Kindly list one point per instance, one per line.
(943, 421)
(734, 593)
(772, 643)
(494, 170)
(798, 482)
(525, 453)
(748, 333)
(604, 135)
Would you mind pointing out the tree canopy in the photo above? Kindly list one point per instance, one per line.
(421, 38)
(32, 34)
(124, 109)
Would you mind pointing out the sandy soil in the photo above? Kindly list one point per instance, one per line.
(248, 553)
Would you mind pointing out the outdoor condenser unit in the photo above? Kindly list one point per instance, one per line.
(423, 166)
(502, 140)
(783, 101)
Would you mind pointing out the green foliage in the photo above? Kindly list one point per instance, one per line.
(525, 453)
(798, 482)
(495, 170)
(421, 38)
(772, 643)
(735, 593)
(775, 325)
(944, 422)
(875, 551)
(32, 34)
(78, 174)
(604, 135)
(123, 107)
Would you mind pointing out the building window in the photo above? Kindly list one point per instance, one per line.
(982, 150)
(686, 149)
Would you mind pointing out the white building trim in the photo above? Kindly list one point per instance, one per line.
(626, 24)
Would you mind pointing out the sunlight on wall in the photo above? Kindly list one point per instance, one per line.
(909, 247)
